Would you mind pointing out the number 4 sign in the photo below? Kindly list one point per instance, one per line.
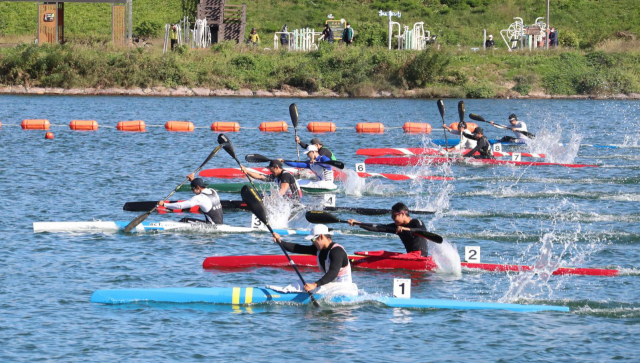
(402, 288)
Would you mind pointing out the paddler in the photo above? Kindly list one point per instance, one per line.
(205, 198)
(287, 183)
(483, 146)
(332, 259)
(317, 143)
(323, 172)
(516, 127)
(402, 221)
(465, 142)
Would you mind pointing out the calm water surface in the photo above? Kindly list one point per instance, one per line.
(533, 215)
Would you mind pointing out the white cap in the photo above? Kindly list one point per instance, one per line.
(490, 36)
(311, 148)
(317, 230)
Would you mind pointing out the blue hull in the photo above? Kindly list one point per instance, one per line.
(256, 295)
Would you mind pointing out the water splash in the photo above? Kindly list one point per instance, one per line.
(278, 209)
(354, 185)
(549, 142)
(446, 256)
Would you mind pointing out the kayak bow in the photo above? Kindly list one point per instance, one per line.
(415, 160)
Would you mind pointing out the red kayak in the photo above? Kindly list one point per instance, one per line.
(381, 260)
(411, 151)
(232, 173)
(415, 160)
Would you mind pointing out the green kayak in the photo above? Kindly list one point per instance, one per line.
(235, 188)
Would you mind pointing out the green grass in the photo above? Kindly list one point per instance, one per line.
(454, 21)
(357, 71)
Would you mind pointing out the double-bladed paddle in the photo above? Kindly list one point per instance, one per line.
(139, 219)
(251, 197)
(293, 112)
(475, 117)
(444, 127)
(226, 144)
(257, 158)
(320, 217)
(461, 110)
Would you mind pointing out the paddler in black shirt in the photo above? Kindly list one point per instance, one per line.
(287, 184)
(403, 222)
(322, 151)
(483, 145)
(332, 260)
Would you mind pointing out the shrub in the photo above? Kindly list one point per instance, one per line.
(148, 28)
(425, 68)
(481, 90)
(567, 38)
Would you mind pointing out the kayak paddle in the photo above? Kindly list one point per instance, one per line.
(320, 217)
(293, 112)
(228, 147)
(139, 219)
(444, 127)
(257, 158)
(461, 110)
(251, 197)
(475, 117)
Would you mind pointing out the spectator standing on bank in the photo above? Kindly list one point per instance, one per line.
(173, 35)
(347, 34)
(254, 38)
(553, 38)
(284, 38)
(489, 43)
(327, 34)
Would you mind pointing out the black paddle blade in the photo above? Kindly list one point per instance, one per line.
(461, 110)
(139, 219)
(226, 144)
(256, 158)
(293, 112)
(441, 109)
(254, 202)
(337, 164)
(320, 217)
(475, 117)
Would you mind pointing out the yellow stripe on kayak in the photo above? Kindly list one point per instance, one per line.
(235, 297)
(248, 295)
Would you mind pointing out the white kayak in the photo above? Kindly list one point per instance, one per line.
(118, 226)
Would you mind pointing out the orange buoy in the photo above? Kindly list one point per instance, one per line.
(370, 127)
(470, 126)
(0, 125)
(179, 126)
(83, 125)
(416, 128)
(48, 135)
(38, 124)
(274, 126)
(225, 126)
(132, 126)
(318, 126)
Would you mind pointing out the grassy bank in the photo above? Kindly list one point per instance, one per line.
(357, 71)
(582, 23)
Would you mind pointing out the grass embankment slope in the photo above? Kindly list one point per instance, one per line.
(594, 65)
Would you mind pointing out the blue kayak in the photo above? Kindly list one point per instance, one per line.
(258, 295)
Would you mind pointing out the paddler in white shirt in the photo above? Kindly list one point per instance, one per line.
(332, 259)
(516, 127)
(323, 172)
(465, 142)
(206, 199)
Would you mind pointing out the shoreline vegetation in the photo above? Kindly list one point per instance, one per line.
(227, 69)
(598, 57)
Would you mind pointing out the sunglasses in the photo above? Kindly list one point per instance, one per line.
(394, 214)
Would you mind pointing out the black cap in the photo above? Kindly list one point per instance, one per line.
(315, 141)
(400, 207)
(462, 123)
(513, 117)
(478, 130)
(275, 164)
(198, 182)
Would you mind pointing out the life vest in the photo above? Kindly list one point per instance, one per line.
(323, 173)
(344, 275)
(213, 215)
(294, 190)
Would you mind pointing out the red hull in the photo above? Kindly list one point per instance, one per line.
(414, 160)
(409, 151)
(380, 260)
(236, 173)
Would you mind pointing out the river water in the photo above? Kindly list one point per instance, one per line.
(544, 216)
